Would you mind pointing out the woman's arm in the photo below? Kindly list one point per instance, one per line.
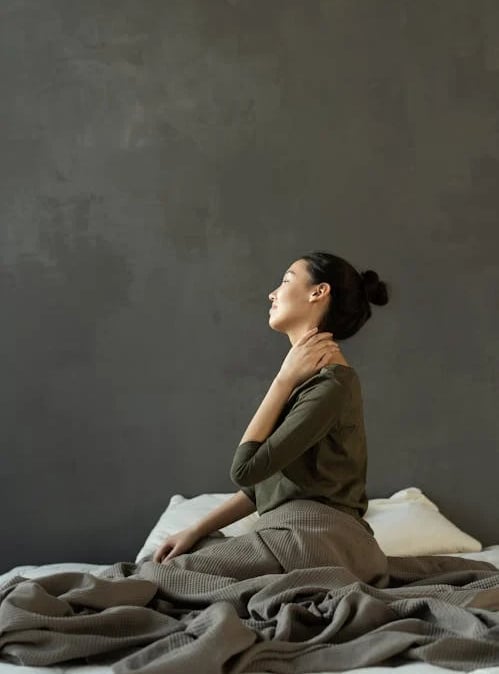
(263, 421)
(235, 508)
(314, 414)
(284, 383)
(270, 408)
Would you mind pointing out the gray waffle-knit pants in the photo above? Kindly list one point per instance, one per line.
(304, 533)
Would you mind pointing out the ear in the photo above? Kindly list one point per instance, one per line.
(323, 289)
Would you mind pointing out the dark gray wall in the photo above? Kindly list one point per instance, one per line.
(161, 164)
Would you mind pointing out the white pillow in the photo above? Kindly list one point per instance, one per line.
(409, 524)
(181, 513)
(405, 524)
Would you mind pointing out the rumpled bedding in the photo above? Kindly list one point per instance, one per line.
(308, 589)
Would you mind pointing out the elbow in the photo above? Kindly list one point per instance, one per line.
(250, 463)
(239, 476)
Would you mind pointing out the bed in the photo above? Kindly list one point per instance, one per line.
(407, 523)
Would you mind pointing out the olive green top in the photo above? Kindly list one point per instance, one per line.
(316, 450)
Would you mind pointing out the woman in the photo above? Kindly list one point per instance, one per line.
(303, 456)
(302, 461)
(302, 464)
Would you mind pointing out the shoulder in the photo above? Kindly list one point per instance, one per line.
(330, 381)
(331, 376)
(337, 371)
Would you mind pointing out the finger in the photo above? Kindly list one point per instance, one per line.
(307, 336)
(331, 350)
(170, 555)
(320, 338)
(323, 335)
(332, 345)
(162, 551)
(157, 555)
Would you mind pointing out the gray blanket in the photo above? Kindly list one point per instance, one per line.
(308, 589)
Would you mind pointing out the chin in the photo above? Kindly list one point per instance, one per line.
(275, 326)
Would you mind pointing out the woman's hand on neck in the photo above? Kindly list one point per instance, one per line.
(336, 357)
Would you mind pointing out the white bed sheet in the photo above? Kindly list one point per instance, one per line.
(488, 554)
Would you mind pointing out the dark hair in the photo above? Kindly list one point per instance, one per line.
(351, 292)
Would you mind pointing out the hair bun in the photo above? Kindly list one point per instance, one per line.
(376, 291)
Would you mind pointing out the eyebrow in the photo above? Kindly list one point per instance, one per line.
(289, 271)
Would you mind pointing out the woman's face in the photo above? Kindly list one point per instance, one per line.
(291, 301)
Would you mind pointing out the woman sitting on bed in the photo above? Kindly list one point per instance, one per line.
(305, 447)
(302, 464)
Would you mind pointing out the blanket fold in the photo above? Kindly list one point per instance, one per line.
(308, 589)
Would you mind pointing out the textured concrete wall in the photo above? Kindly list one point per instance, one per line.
(161, 164)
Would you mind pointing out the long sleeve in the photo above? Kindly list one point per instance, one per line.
(315, 413)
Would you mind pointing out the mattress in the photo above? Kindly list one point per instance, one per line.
(489, 554)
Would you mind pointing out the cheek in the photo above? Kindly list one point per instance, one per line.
(291, 298)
